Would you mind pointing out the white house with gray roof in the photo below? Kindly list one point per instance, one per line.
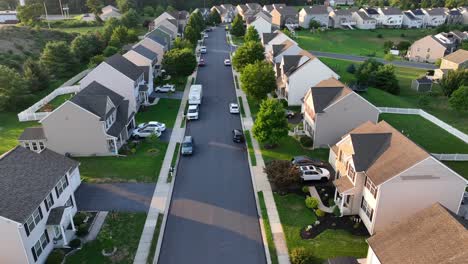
(317, 13)
(390, 17)
(363, 21)
(121, 76)
(37, 204)
(434, 17)
(157, 44)
(261, 22)
(411, 21)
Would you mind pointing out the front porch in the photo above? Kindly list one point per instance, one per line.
(344, 195)
(59, 218)
(115, 143)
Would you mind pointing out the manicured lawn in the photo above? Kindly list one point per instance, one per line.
(10, 130)
(178, 81)
(154, 242)
(254, 107)
(164, 111)
(331, 243)
(81, 30)
(241, 106)
(290, 147)
(174, 160)
(248, 139)
(461, 167)
(356, 42)
(267, 226)
(56, 102)
(125, 231)
(428, 135)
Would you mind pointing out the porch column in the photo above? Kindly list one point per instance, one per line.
(72, 223)
(115, 146)
(342, 204)
(336, 194)
(65, 241)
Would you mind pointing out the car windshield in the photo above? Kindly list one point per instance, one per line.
(192, 110)
(319, 170)
(186, 145)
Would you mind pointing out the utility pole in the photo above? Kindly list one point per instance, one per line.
(46, 16)
(61, 8)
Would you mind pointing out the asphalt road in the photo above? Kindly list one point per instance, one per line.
(410, 64)
(213, 216)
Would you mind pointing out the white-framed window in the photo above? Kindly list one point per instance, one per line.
(69, 202)
(49, 201)
(61, 185)
(371, 187)
(40, 245)
(367, 209)
(41, 145)
(351, 172)
(33, 220)
(26, 145)
(34, 146)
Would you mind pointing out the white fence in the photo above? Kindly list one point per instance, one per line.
(451, 157)
(413, 111)
(31, 113)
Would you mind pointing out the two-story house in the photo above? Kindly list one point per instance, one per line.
(248, 10)
(110, 11)
(157, 43)
(434, 17)
(464, 12)
(120, 75)
(434, 47)
(418, 13)
(363, 21)
(433, 235)
(169, 26)
(384, 177)
(452, 62)
(390, 17)
(261, 22)
(331, 110)
(95, 122)
(295, 74)
(37, 204)
(453, 16)
(411, 21)
(275, 38)
(146, 59)
(283, 16)
(277, 51)
(317, 13)
(341, 18)
(180, 18)
(371, 12)
(227, 12)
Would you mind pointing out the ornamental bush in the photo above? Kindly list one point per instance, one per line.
(55, 257)
(75, 243)
(302, 256)
(319, 213)
(306, 141)
(311, 202)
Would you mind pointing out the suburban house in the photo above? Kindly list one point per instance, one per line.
(295, 74)
(331, 110)
(110, 11)
(248, 10)
(434, 17)
(226, 11)
(120, 75)
(433, 47)
(277, 51)
(341, 2)
(33, 138)
(411, 21)
(37, 204)
(432, 235)
(275, 38)
(341, 18)
(363, 21)
(390, 17)
(261, 22)
(157, 41)
(146, 59)
(168, 25)
(418, 13)
(384, 177)
(453, 16)
(205, 12)
(464, 12)
(284, 16)
(318, 13)
(371, 12)
(95, 122)
(180, 18)
(454, 61)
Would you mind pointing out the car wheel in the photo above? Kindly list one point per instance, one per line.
(324, 179)
(137, 137)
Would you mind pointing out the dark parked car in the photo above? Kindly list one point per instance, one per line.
(304, 160)
(187, 146)
(201, 63)
(237, 136)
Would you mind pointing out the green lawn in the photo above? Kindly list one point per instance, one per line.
(248, 139)
(267, 226)
(461, 167)
(241, 106)
(356, 42)
(238, 40)
(428, 135)
(10, 130)
(56, 102)
(290, 147)
(254, 107)
(154, 242)
(125, 230)
(165, 111)
(80, 30)
(331, 243)
(178, 81)
(174, 160)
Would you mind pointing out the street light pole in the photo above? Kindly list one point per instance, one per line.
(47, 17)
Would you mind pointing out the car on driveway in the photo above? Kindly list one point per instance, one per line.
(238, 136)
(289, 113)
(312, 173)
(145, 132)
(304, 160)
(187, 146)
(233, 108)
(159, 125)
(227, 62)
(165, 88)
(203, 49)
(201, 63)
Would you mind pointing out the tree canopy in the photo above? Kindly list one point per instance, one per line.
(29, 13)
(179, 62)
(130, 18)
(58, 58)
(282, 174)
(248, 53)
(459, 99)
(374, 73)
(251, 35)
(237, 26)
(35, 75)
(213, 18)
(14, 92)
(453, 80)
(270, 125)
(86, 46)
(258, 79)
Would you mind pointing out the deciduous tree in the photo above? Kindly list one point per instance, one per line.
(86, 46)
(453, 80)
(29, 13)
(95, 6)
(282, 174)
(130, 18)
(179, 62)
(58, 59)
(258, 79)
(35, 75)
(251, 35)
(214, 18)
(237, 26)
(14, 92)
(270, 125)
(248, 53)
(459, 99)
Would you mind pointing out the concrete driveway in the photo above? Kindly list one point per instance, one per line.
(213, 217)
(121, 197)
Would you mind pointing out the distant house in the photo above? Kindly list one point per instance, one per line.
(434, 17)
(205, 12)
(168, 25)
(226, 11)
(261, 22)
(317, 13)
(156, 44)
(95, 122)
(285, 15)
(432, 235)
(363, 21)
(341, 18)
(331, 109)
(384, 177)
(341, 2)
(275, 38)
(418, 13)
(431, 48)
(8, 17)
(37, 204)
(248, 10)
(390, 17)
(295, 74)
(454, 61)
(464, 12)
(110, 11)
(180, 18)
(453, 16)
(411, 21)
(422, 84)
(371, 12)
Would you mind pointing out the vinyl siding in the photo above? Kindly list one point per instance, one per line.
(11, 243)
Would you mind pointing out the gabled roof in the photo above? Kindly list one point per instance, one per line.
(389, 11)
(287, 11)
(424, 80)
(280, 48)
(433, 235)
(363, 15)
(254, 6)
(342, 12)
(371, 11)
(417, 12)
(27, 177)
(454, 12)
(122, 119)
(268, 8)
(32, 133)
(145, 52)
(267, 37)
(290, 62)
(368, 147)
(438, 11)
(154, 36)
(126, 67)
(55, 215)
(263, 12)
(326, 92)
(316, 10)
(410, 15)
(242, 7)
(459, 56)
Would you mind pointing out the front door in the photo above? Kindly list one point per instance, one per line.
(57, 231)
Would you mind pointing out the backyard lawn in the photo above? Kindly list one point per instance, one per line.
(289, 147)
(331, 243)
(461, 167)
(124, 229)
(10, 130)
(356, 42)
(165, 112)
(80, 30)
(56, 102)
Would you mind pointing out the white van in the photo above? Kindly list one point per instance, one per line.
(195, 94)
(192, 112)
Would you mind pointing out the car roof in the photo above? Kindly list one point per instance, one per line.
(193, 106)
(187, 139)
(233, 104)
(237, 131)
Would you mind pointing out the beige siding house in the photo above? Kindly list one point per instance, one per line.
(331, 110)
(384, 177)
(427, 49)
(454, 61)
(282, 15)
(317, 13)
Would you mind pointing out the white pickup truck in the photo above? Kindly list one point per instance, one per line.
(195, 94)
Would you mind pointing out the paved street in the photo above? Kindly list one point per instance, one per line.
(212, 216)
(410, 64)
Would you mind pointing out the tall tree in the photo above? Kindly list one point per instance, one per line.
(237, 26)
(158, 11)
(191, 34)
(14, 92)
(35, 75)
(111, 24)
(214, 18)
(248, 53)
(180, 43)
(386, 80)
(179, 62)
(86, 46)
(95, 7)
(251, 35)
(120, 36)
(459, 99)
(29, 13)
(125, 5)
(282, 174)
(258, 79)
(270, 125)
(58, 59)
(130, 18)
(453, 80)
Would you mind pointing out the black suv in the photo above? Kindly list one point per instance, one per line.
(237, 136)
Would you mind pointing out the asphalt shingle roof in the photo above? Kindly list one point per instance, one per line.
(267, 37)
(368, 148)
(124, 66)
(147, 53)
(153, 35)
(55, 215)
(324, 96)
(316, 10)
(32, 133)
(27, 177)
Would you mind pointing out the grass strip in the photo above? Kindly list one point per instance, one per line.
(248, 139)
(174, 160)
(237, 82)
(266, 224)
(154, 241)
(241, 106)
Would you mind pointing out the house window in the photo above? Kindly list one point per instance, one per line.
(49, 201)
(69, 202)
(26, 145)
(40, 245)
(61, 185)
(34, 146)
(41, 145)
(367, 209)
(371, 187)
(351, 172)
(33, 220)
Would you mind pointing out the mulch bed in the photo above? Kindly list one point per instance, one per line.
(326, 193)
(329, 221)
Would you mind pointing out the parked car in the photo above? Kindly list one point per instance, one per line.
(312, 173)
(227, 62)
(304, 160)
(205, 35)
(201, 63)
(203, 49)
(233, 108)
(145, 132)
(192, 112)
(165, 88)
(187, 146)
(160, 126)
(208, 29)
(289, 113)
(238, 136)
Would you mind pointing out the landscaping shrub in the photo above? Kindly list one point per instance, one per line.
(282, 174)
(351, 68)
(82, 230)
(302, 256)
(79, 218)
(55, 257)
(306, 141)
(423, 100)
(402, 35)
(311, 202)
(379, 36)
(319, 213)
(305, 189)
(284, 102)
(75, 243)
(336, 211)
